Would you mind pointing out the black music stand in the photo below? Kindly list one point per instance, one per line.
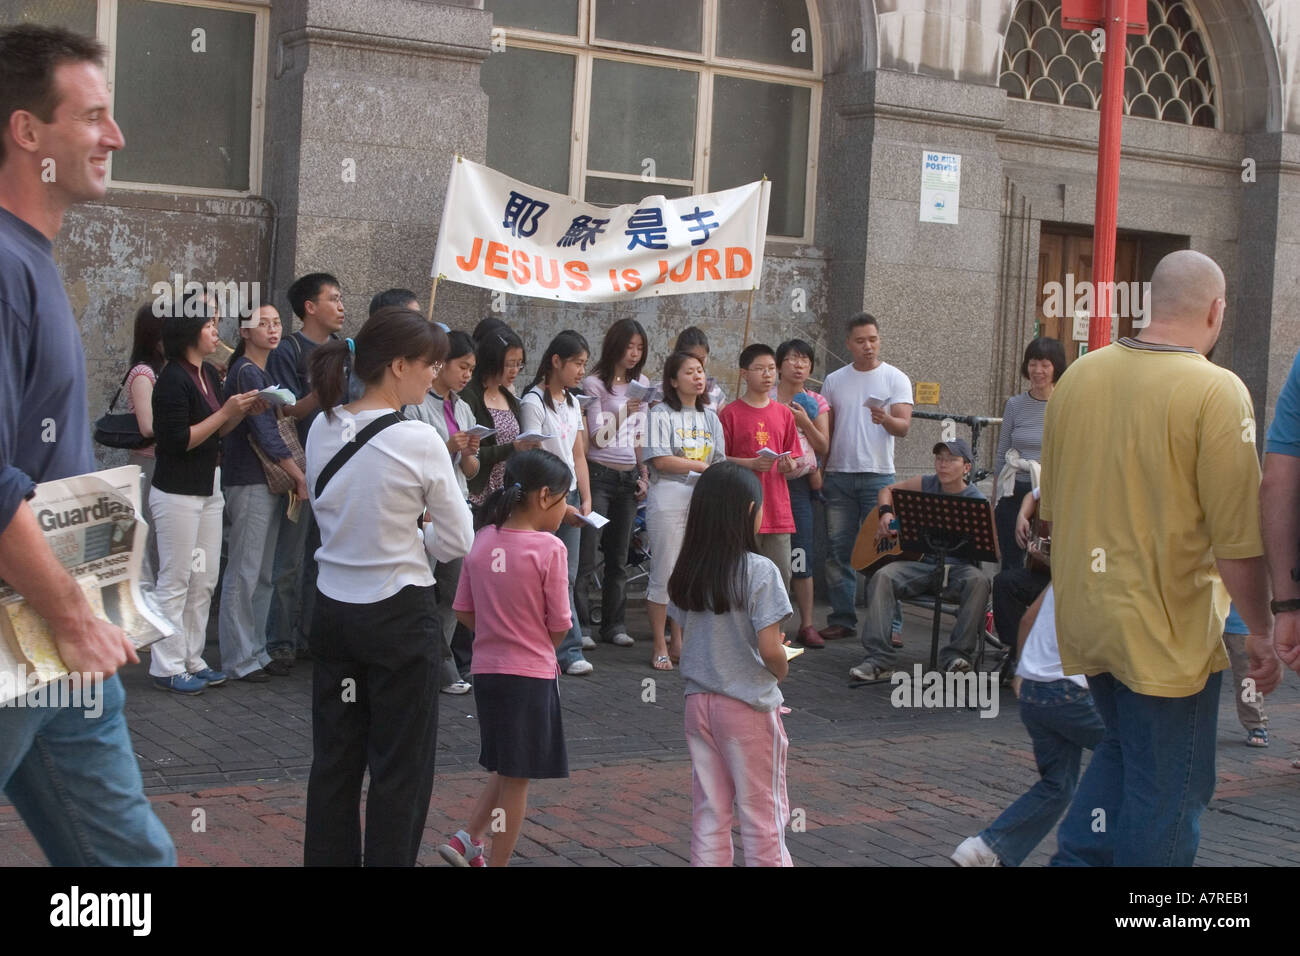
(945, 526)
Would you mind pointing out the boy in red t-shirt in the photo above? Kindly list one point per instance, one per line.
(756, 422)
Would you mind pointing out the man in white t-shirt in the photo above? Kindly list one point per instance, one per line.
(871, 405)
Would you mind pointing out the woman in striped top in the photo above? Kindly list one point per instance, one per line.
(1022, 436)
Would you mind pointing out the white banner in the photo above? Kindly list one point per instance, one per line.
(501, 234)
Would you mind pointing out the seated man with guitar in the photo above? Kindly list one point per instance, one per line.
(1014, 589)
(911, 575)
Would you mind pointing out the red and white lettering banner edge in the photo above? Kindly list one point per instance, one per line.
(501, 234)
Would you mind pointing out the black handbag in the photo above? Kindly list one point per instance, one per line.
(120, 430)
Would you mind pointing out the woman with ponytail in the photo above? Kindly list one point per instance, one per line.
(374, 632)
(550, 408)
(514, 596)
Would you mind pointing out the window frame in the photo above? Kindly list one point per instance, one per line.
(707, 65)
(106, 31)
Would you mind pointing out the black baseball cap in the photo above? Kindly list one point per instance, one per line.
(957, 446)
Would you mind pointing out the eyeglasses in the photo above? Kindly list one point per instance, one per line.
(947, 459)
(514, 366)
(762, 368)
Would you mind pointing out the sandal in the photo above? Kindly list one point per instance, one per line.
(1257, 738)
(662, 663)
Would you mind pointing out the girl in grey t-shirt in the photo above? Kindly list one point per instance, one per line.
(730, 601)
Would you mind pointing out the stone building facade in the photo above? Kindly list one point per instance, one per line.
(349, 113)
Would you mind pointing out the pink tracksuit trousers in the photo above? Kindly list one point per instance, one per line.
(737, 757)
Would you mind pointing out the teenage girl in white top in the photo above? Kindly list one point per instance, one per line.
(549, 407)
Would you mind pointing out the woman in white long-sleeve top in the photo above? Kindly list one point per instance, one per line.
(374, 633)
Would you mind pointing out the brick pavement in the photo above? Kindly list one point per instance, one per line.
(875, 785)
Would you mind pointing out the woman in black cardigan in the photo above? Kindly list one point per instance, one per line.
(498, 360)
(189, 420)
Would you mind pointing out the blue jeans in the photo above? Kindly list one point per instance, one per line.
(76, 783)
(570, 650)
(294, 574)
(850, 496)
(1062, 723)
(1140, 800)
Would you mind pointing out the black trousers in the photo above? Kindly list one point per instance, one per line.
(375, 705)
(613, 494)
(1013, 591)
(1004, 519)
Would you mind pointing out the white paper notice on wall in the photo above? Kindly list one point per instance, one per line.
(1081, 323)
(940, 187)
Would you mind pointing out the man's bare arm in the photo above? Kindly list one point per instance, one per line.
(1247, 582)
(86, 643)
(1279, 510)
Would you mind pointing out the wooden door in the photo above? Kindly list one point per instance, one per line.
(1065, 258)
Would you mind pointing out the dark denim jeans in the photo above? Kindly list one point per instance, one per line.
(570, 649)
(613, 494)
(1013, 591)
(1140, 800)
(1062, 722)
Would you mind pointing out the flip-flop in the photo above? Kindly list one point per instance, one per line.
(661, 663)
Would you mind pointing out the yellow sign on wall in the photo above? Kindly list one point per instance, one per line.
(927, 393)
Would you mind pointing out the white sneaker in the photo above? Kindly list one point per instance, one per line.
(622, 640)
(959, 665)
(973, 851)
(588, 644)
(459, 687)
(579, 669)
(868, 671)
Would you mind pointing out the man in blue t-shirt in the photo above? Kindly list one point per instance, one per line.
(967, 584)
(71, 772)
(1279, 507)
(317, 300)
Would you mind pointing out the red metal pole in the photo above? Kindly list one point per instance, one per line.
(1108, 151)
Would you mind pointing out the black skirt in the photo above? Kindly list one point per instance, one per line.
(520, 732)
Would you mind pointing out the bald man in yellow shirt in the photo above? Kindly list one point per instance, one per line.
(1151, 480)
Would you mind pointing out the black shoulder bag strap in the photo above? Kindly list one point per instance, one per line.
(118, 394)
(345, 453)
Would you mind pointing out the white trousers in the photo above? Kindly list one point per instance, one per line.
(189, 559)
(667, 506)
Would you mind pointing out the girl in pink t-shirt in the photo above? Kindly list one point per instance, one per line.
(514, 595)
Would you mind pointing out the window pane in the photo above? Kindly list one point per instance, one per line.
(184, 99)
(75, 15)
(765, 30)
(530, 115)
(762, 128)
(639, 113)
(548, 16)
(671, 24)
(616, 192)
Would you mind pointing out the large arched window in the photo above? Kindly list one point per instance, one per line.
(612, 100)
(1169, 74)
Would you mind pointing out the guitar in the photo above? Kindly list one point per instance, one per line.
(1038, 556)
(871, 552)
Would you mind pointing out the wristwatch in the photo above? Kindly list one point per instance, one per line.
(1282, 607)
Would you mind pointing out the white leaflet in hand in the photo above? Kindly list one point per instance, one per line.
(480, 431)
(766, 452)
(597, 521)
(278, 395)
(584, 399)
(641, 393)
(533, 436)
(875, 401)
